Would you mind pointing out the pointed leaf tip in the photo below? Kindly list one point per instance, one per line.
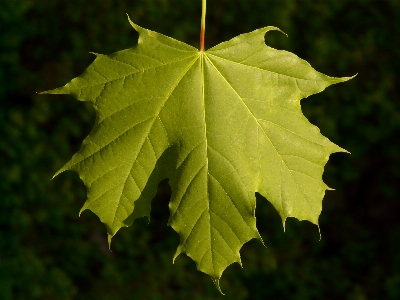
(82, 210)
(178, 251)
(135, 26)
(319, 231)
(335, 80)
(216, 283)
(270, 28)
(58, 173)
(59, 91)
(109, 237)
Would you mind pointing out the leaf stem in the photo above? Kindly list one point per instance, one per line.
(203, 25)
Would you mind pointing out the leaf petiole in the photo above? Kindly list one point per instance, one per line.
(203, 24)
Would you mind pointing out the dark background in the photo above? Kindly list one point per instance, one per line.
(47, 252)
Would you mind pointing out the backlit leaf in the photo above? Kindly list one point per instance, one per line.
(221, 124)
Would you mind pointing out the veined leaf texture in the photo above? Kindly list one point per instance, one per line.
(220, 124)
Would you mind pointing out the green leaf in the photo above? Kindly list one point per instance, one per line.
(220, 124)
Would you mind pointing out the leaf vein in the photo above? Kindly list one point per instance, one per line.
(263, 132)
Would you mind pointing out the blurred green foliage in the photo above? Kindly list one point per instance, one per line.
(47, 252)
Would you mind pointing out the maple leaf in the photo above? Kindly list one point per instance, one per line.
(221, 124)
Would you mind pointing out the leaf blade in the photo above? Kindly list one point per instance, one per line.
(221, 125)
